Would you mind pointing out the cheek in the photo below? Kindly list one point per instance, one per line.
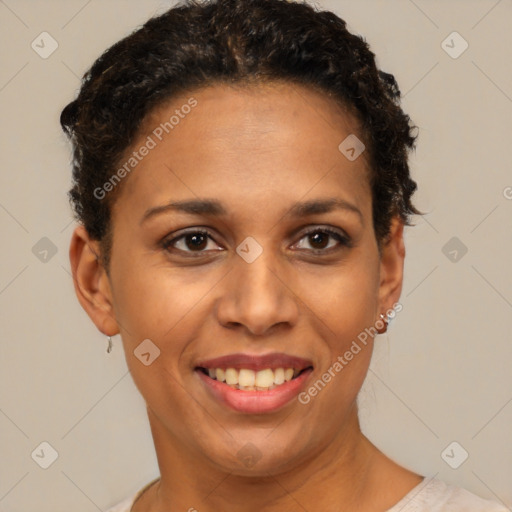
(154, 303)
(150, 301)
(343, 309)
(344, 312)
(344, 299)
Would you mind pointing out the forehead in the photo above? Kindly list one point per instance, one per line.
(231, 141)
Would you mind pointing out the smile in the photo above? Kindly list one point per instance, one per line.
(246, 379)
(253, 383)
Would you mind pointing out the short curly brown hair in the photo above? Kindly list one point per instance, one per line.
(200, 43)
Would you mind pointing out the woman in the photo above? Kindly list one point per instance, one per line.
(242, 185)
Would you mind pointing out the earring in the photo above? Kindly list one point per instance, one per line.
(385, 319)
(109, 348)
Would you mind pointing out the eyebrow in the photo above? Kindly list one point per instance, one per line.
(213, 208)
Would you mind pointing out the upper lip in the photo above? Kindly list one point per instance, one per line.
(256, 362)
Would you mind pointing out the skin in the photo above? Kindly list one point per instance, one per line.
(257, 150)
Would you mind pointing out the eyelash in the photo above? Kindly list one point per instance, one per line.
(344, 241)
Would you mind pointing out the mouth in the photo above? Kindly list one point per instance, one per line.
(254, 384)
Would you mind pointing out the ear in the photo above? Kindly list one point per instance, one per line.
(92, 285)
(392, 266)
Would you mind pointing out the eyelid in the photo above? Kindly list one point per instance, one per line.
(327, 229)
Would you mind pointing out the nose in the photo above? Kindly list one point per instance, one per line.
(258, 297)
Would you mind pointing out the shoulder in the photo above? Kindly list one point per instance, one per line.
(123, 506)
(127, 504)
(434, 495)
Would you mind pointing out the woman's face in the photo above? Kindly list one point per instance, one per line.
(256, 168)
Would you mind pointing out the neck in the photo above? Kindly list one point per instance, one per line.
(340, 473)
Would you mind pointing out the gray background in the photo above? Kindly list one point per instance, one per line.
(441, 374)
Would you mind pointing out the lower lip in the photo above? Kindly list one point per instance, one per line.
(256, 402)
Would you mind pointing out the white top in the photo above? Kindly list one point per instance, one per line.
(430, 495)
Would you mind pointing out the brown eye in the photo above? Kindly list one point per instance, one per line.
(196, 241)
(192, 241)
(318, 239)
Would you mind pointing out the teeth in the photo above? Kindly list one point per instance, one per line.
(249, 380)
(246, 378)
(279, 375)
(231, 376)
(264, 378)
